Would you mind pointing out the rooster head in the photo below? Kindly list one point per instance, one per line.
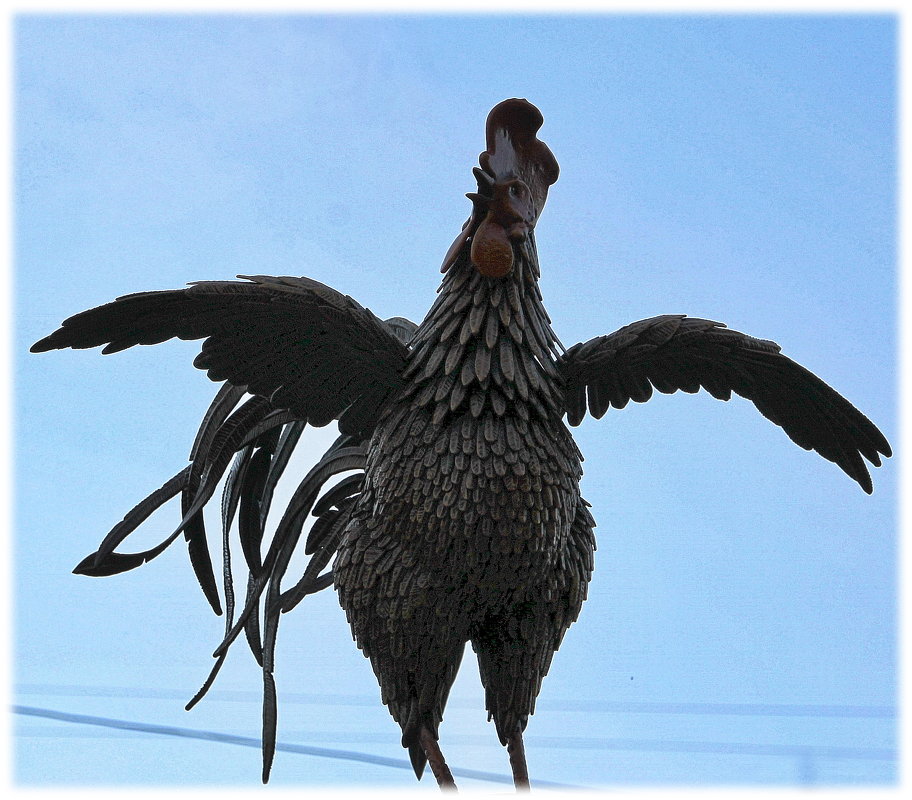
(515, 172)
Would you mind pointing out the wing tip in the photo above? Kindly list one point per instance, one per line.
(884, 449)
(865, 482)
(44, 345)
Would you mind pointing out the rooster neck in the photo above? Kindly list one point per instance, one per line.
(487, 345)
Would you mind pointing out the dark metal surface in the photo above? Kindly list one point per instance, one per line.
(463, 521)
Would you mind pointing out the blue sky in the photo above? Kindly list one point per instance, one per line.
(739, 168)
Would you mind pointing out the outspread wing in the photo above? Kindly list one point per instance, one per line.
(303, 346)
(675, 352)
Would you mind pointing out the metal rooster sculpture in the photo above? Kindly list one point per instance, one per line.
(462, 520)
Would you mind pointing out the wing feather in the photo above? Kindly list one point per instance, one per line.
(676, 353)
(306, 347)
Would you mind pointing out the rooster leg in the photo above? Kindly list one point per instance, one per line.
(518, 762)
(435, 759)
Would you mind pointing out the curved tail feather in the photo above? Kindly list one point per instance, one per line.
(256, 440)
